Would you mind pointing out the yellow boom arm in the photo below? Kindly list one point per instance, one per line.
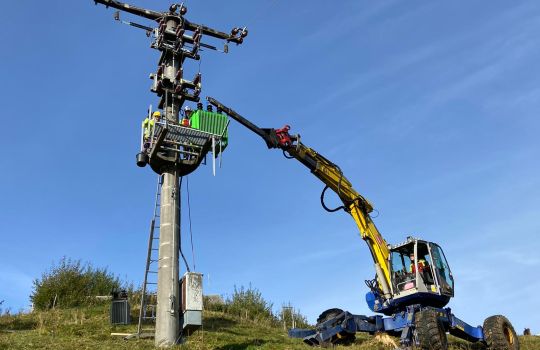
(330, 174)
(356, 205)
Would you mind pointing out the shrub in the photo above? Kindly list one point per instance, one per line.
(289, 317)
(71, 283)
(249, 304)
(214, 303)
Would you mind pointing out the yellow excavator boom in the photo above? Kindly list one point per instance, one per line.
(332, 176)
(355, 204)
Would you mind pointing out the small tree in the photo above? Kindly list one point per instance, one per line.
(290, 317)
(70, 283)
(249, 304)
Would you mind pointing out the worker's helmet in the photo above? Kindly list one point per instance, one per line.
(157, 114)
(187, 109)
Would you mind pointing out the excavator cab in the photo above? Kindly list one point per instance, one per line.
(420, 274)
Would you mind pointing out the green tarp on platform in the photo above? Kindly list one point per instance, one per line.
(211, 122)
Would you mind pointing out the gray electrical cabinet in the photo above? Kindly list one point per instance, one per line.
(192, 301)
(120, 312)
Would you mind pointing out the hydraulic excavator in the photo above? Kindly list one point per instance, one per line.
(413, 282)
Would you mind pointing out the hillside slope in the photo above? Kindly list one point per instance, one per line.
(89, 328)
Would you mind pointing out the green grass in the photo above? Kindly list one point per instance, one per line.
(89, 328)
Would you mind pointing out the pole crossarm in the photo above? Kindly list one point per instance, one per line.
(236, 35)
(138, 11)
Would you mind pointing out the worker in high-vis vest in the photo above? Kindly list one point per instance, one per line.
(187, 114)
(421, 264)
(148, 125)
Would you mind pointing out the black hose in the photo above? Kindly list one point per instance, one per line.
(287, 156)
(324, 205)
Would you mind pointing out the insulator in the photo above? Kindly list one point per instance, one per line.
(199, 105)
(179, 74)
(209, 108)
(235, 31)
(244, 33)
(197, 79)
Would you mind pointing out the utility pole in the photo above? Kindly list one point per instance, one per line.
(173, 150)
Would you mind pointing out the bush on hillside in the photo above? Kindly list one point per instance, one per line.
(249, 304)
(214, 303)
(71, 283)
(289, 317)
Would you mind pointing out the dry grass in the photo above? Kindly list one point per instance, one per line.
(89, 328)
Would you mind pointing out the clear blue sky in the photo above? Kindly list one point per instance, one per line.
(430, 108)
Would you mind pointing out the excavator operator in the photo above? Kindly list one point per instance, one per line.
(424, 269)
(421, 264)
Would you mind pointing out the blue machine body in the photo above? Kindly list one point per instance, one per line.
(400, 324)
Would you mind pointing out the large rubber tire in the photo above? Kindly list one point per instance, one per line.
(342, 340)
(328, 314)
(429, 331)
(499, 334)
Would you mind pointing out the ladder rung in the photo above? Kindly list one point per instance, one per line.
(152, 271)
(151, 282)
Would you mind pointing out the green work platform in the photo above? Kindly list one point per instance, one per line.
(184, 147)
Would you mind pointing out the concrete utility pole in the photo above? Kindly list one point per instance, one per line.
(168, 294)
(174, 151)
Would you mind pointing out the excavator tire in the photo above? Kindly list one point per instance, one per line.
(346, 339)
(499, 334)
(429, 331)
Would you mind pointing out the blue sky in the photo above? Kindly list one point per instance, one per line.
(430, 109)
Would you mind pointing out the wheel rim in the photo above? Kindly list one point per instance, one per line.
(509, 335)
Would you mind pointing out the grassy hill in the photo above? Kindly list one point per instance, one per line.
(89, 328)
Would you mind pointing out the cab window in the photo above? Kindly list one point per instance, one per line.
(443, 270)
(425, 264)
(402, 276)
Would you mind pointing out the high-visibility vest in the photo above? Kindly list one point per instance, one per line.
(147, 126)
(421, 266)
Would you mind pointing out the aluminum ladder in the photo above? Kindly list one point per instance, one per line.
(148, 295)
